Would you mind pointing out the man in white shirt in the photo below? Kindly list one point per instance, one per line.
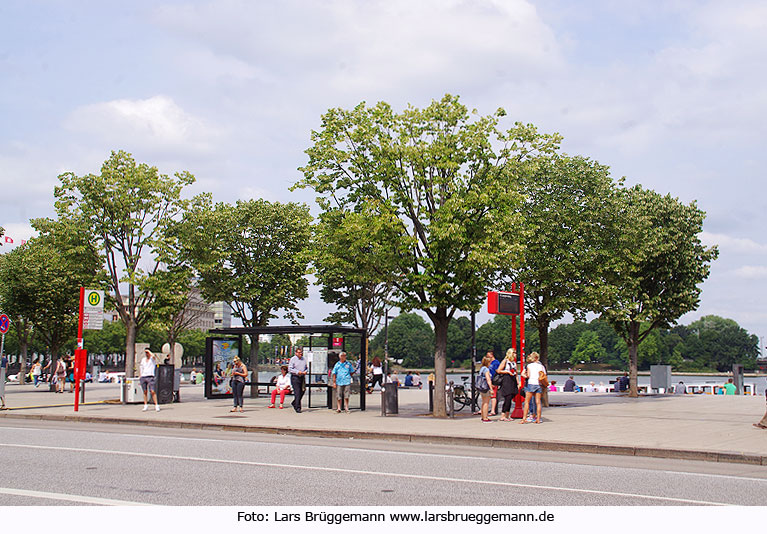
(147, 368)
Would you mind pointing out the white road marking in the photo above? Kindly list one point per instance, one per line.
(67, 497)
(371, 473)
(378, 451)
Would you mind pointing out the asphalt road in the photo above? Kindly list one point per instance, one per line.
(51, 463)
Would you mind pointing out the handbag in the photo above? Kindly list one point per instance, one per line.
(543, 380)
(497, 379)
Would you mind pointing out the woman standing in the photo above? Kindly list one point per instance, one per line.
(509, 386)
(239, 374)
(484, 387)
(533, 373)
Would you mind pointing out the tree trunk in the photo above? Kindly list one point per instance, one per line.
(23, 366)
(441, 322)
(543, 335)
(254, 365)
(130, 349)
(633, 350)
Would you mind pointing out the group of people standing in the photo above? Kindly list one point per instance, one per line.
(499, 382)
(291, 380)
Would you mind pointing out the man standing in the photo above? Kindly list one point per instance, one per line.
(342, 381)
(729, 388)
(147, 368)
(297, 369)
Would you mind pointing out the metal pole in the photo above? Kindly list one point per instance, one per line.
(385, 364)
(78, 354)
(386, 345)
(450, 399)
(473, 359)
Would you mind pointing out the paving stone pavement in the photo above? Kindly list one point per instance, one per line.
(699, 427)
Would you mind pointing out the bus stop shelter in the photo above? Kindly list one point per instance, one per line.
(223, 344)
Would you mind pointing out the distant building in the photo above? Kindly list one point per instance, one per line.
(199, 311)
(222, 314)
(761, 365)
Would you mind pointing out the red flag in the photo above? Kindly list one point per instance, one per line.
(8, 239)
(23, 241)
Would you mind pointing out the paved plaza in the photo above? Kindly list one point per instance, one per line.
(697, 427)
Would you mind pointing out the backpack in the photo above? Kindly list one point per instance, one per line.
(481, 382)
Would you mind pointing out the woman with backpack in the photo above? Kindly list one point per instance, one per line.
(484, 379)
(535, 373)
(509, 387)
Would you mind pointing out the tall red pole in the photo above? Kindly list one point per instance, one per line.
(80, 344)
(521, 320)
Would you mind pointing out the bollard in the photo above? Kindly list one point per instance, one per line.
(383, 400)
(450, 399)
(431, 397)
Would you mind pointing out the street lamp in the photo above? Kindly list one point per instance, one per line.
(386, 344)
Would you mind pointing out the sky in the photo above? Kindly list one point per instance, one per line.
(670, 94)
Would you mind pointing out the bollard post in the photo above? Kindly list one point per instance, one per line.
(431, 397)
(383, 400)
(450, 399)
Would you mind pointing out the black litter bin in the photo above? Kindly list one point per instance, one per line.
(390, 399)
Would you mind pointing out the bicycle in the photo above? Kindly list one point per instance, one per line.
(462, 396)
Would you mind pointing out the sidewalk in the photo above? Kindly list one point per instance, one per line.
(694, 427)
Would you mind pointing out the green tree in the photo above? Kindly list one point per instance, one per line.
(17, 299)
(129, 208)
(719, 343)
(411, 340)
(662, 264)
(570, 208)
(253, 255)
(588, 349)
(440, 193)
(64, 259)
(343, 250)
(459, 340)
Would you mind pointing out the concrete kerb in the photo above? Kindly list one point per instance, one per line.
(555, 446)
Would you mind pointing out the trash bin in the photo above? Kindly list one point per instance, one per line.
(131, 392)
(390, 399)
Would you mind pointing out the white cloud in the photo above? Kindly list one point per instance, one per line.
(157, 123)
(751, 272)
(375, 47)
(733, 244)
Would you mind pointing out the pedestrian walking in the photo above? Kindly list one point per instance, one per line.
(147, 369)
(37, 371)
(297, 369)
(376, 369)
(60, 374)
(342, 381)
(239, 374)
(763, 423)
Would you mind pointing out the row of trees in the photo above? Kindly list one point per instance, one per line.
(709, 344)
(425, 209)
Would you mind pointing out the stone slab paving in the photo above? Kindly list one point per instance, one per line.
(701, 427)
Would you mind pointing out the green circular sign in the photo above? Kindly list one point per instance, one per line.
(94, 299)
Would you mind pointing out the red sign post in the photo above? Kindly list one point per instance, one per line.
(79, 371)
(512, 303)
